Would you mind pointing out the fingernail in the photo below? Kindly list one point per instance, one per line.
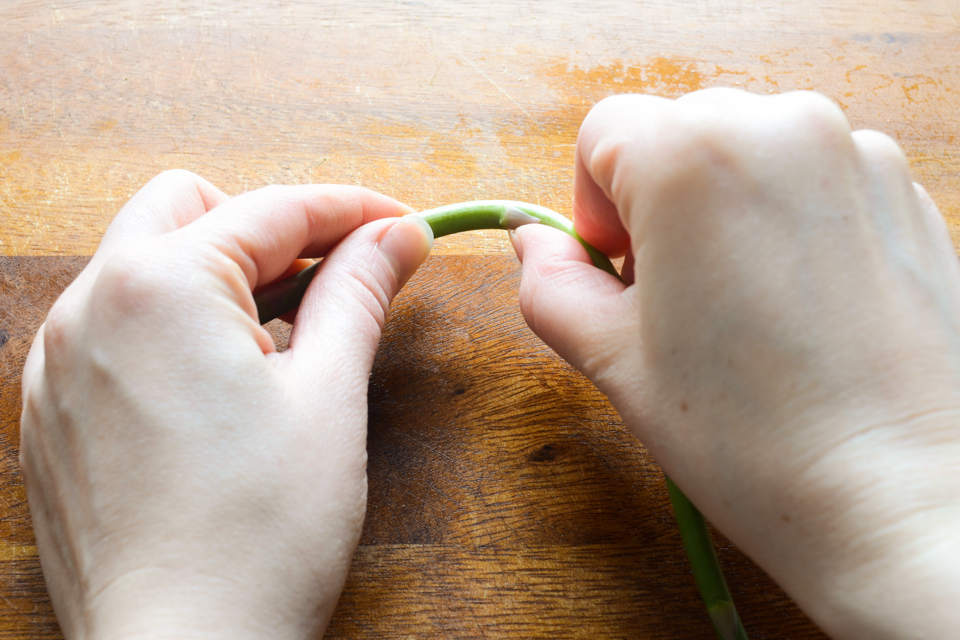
(406, 245)
(517, 244)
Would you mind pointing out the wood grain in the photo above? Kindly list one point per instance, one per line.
(506, 497)
(430, 102)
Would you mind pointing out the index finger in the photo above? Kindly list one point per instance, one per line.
(264, 231)
(168, 202)
(595, 217)
(598, 214)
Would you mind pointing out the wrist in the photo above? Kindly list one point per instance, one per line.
(145, 606)
(876, 544)
(910, 593)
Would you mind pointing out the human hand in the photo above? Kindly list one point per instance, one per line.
(786, 345)
(185, 479)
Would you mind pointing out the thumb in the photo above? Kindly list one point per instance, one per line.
(584, 314)
(340, 319)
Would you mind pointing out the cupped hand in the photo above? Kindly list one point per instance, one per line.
(787, 344)
(184, 478)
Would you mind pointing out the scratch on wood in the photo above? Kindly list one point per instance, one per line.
(491, 81)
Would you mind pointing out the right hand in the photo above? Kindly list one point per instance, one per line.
(787, 344)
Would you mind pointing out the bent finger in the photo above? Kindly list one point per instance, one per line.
(264, 231)
(617, 141)
(613, 145)
(338, 325)
(595, 217)
(577, 309)
(901, 208)
(168, 202)
(171, 200)
(933, 217)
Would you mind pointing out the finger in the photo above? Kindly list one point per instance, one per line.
(594, 217)
(940, 232)
(891, 198)
(264, 231)
(659, 159)
(33, 367)
(343, 312)
(577, 309)
(616, 139)
(900, 207)
(613, 137)
(171, 200)
(933, 217)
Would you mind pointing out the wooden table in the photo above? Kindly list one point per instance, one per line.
(506, 497)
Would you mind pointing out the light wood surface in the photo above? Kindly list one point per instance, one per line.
(506, 498)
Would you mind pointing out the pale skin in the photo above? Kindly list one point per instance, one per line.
(786, 346)
(185, 479)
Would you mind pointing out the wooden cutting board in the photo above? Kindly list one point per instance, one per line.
(506, 497)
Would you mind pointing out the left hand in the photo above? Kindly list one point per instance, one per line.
(184, 478)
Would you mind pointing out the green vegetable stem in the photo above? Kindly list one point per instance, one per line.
(285, 296)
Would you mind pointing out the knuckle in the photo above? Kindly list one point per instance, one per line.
(376, 300)
(224, 265)
(815, 113)
(606, 156)
(28, 429)
(25, 459)
(283, 199)
(714, 96)
(131, 282)
(610, 107)
(280, 194)
(58, 329)
(879, 147)
(272, 189)
(610, 130)
(175, 178)
(368, 290)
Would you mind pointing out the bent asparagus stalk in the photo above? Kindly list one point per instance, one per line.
(285, 296)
